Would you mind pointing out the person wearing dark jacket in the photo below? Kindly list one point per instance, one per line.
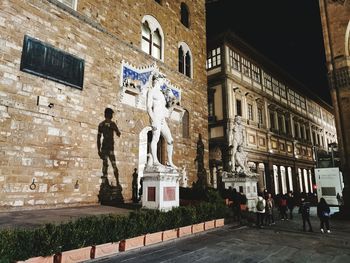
(323, 213)
(304, 210)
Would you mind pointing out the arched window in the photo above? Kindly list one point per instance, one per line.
(70, 3)
(184, 15)
(186, 125)
(157, 45)
(146, 38)
(152, 41)
(185, 60)
(188, 64)
(181, 60)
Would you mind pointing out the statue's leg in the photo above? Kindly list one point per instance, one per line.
(170, 144)
(105, 167)
(114, 165)
(154, 142)
(233, 157)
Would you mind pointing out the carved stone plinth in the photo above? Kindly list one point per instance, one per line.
(160, 189)
(245, 184)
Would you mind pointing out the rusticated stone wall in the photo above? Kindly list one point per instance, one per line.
(56, 147)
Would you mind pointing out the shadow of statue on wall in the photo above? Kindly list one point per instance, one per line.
(109, 194)
(135, 198)
(201, 171)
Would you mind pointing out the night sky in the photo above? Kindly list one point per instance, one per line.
(288, 32)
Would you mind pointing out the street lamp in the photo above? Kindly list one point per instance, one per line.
(332, 146)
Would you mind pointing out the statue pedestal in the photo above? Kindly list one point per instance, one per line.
(247, 185)
(160, 189)
(110, 195)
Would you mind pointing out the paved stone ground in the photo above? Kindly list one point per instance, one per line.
(34, 218)
(283, 242)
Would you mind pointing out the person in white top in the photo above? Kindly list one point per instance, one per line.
(260, 211)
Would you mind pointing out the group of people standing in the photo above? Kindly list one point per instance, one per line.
(265, 205)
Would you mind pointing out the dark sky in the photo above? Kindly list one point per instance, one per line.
(288, 32)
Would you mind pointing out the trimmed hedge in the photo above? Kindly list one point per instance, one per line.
(21, 244)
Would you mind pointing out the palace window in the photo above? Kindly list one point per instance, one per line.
(146, 38)
(297, 99)
(308, 134)
(260, 116)
(211, 106)
(238, 108)
(296, 130)
(185, 59)
(70, 3)
(314, 137)
(272, 120)
(302, 103)
(234, 60)
(291, 96)
(280, 123)
(302, 131)
(318, 112)
(214, 58)
(287, 125)
(184, 15)
(181, 60)
(268, 84)
(246, 67)
(156, 50)
(256, 73)
(275, 87)
(250, 112)
(283, 92)
(188, 64)
(152, 40)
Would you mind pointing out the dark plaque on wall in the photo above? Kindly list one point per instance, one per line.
(49, 62)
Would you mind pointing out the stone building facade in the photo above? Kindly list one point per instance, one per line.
(335, 18)
(48, 152)
(285, 125)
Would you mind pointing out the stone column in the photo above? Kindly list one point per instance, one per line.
(280, 186)
(305, 180)
(299, 180)
(336, 31)
(310, 181)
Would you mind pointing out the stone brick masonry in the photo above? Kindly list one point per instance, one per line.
(55, 148)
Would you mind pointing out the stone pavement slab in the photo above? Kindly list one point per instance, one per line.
(34, 218)
(283, 242)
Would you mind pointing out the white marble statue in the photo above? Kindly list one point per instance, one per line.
(241, 160)
(158, 112)
(237, 139)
